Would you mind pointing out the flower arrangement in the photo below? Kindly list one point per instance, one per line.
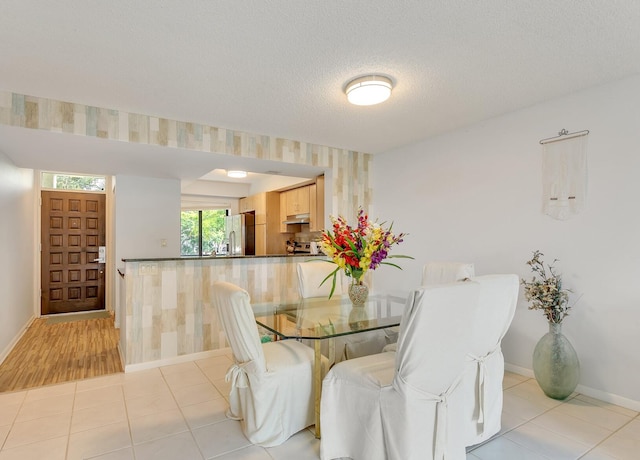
(546, 293)
(358, 249)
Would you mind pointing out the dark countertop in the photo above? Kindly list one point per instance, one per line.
(162, 259)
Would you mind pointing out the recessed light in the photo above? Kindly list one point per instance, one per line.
(237, 174)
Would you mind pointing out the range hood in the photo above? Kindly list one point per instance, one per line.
(297, 219)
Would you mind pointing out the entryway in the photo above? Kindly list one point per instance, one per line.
(72, 263)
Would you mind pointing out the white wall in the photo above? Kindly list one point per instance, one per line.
(17, 238)
(147, 211)
(475, 195)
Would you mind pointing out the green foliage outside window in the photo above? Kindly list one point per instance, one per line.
(195, 243)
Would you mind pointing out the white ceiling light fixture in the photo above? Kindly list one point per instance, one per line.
(369, 90)
(237, 174)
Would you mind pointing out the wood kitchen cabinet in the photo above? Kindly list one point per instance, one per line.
(298, 201)
(266, 208)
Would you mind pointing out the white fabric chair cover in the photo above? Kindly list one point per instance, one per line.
(271, 384)
(440, 273)
(405, 405)
(310, 275)
(482, 384)
(446, 272)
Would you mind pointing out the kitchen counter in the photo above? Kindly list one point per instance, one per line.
(167, 308)
(219, 257)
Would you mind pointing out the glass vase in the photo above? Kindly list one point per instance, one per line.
(555, 363)
(358, 293)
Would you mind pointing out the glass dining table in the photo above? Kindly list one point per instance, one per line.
(320, 319)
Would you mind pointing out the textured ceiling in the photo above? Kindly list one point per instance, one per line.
(279, 67)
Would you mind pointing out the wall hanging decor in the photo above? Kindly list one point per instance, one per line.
(564, 174)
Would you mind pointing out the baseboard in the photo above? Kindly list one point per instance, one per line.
(607, 397)
(15, 340)
(176, 360)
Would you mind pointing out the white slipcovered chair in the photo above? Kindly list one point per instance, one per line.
(482, 384)
(271, 384)
(406, 405)
(310, 275)
(446, 272)
(440, 273)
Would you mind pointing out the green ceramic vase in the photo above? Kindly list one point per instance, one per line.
(555, 364)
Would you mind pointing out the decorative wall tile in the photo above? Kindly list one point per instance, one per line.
(351, 179)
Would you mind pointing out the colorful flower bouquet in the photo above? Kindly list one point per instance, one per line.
(358, 249)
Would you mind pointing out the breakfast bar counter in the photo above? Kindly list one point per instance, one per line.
(166, 310)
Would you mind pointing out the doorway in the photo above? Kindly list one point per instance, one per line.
(72, 232)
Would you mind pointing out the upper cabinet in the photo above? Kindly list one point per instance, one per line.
(305, 201)
(297, 200)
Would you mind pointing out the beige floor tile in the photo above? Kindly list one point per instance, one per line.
(510, 421)
(571, 427)
(619, 446)
(531, 391)
(180, 446)
(151, 404)
(220, 438)
(98, 441)
(546, 442)
(205, 413)
(100, 382)
(250, 453)
(214, 362)
(11, 398)
(94, 417)
(505, 449)
(39, 429)
(522, 407)
(632, 429)
(598, 415)
(179, 368)
(9, 412)
(223, 386)
(98, 396)
(193, 394)
(4, 431)
(156, 426)
(186, 379)
(301, 446)
(50, 391)
(598, 454)
(152, 383)
(510, 379)
(30, 410)
(49, 449)
(606, 405)
(122, 454)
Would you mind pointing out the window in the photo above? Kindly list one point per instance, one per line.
(202, 232)
(60, 181)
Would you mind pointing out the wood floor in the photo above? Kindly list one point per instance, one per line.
(53, 353)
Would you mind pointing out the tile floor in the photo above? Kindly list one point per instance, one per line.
(178, 412)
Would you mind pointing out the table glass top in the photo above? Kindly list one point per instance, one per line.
(321, 318)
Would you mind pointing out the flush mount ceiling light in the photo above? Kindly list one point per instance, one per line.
(237, 174)
(368, 90)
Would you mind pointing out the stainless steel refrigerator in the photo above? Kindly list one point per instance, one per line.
(240, 233)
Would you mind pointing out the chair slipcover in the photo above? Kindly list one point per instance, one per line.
(446, 272)
(441, 273)
(405, 405)
(482, 384)
(310, 275)
(271, 384)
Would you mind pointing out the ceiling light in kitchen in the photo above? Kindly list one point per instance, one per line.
(237, 174)
(368, 90)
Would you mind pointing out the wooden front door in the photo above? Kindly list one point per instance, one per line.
(73, 228)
